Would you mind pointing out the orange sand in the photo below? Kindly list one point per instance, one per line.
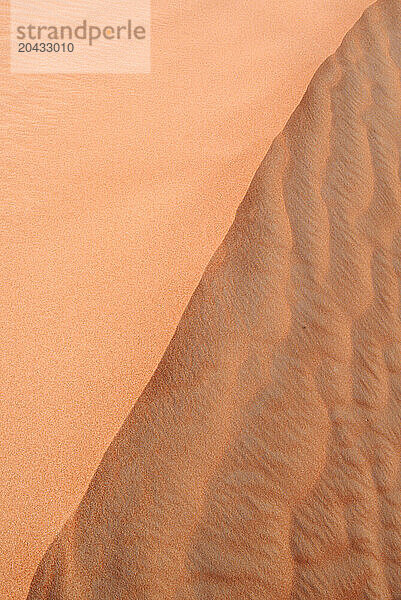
(262, 460)
(115, 192)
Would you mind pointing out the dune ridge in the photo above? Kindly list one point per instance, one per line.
(263, 458)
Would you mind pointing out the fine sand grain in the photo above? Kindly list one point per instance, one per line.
(262, 460)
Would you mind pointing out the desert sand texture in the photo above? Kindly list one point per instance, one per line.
(115, 192)
(262, 460)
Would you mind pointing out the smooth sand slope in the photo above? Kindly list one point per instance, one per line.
(263, 458)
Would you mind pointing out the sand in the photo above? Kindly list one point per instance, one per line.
(263, 458)
(115, 192)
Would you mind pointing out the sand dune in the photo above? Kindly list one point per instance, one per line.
(263, 458)
(115, 192)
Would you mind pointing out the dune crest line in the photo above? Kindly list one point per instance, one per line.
(262, 460)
